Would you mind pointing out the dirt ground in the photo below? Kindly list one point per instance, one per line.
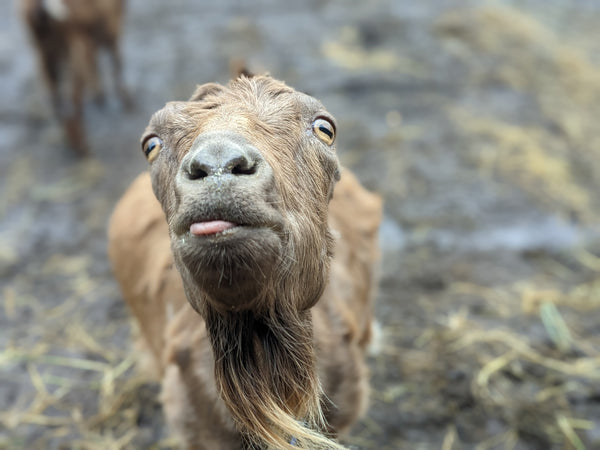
(477, 123)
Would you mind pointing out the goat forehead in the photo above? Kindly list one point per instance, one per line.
(269, 118)
(261, 97)
(263, 107)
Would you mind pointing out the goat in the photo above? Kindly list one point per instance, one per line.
(68, 35)
(257, 330)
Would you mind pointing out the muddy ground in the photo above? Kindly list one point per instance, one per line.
(477, 123)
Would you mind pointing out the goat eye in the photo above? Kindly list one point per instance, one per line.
(151, 147)
(324, 130)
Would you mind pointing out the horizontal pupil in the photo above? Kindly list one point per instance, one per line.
(152, 144)
(326, 131)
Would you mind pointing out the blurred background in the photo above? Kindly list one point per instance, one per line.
(475, 120)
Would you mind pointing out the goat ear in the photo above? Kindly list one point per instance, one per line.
(238, 68)
(204, 90)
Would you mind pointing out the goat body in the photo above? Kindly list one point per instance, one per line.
(252, 276)
(68, 35)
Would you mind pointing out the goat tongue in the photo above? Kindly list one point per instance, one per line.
(211, 227)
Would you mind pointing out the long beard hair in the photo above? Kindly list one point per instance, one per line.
(266, 372)
(265, 363)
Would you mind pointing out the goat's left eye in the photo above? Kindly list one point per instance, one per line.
(151, 147)
(324, 130)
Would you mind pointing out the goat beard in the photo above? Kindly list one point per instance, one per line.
(265, 362)
(265, 369)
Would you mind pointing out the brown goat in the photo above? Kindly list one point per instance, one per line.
(68, 35)
(257, 330)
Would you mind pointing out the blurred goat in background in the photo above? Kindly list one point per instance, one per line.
(68, 35)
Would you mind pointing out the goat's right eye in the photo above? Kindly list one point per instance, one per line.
(324, 130)
(151, 147)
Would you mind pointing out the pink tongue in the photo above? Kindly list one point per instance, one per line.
(212, 227)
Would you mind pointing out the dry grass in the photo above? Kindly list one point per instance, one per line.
(529, 362)
(553, 157)
(81, 387)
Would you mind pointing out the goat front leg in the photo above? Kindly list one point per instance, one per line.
(49, 64)
(117, 73)
(72, 120)
(87, 63)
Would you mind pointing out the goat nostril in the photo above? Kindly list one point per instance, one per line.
(208, 162)
(197, 171)
(244, 168)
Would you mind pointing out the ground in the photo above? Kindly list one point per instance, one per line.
(476, 122)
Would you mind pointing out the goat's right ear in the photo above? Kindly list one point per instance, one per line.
(238, 68)
(204, 90)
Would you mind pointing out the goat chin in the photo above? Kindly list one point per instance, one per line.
(253, 277)
(241, 256)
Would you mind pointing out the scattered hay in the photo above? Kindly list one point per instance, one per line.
(76, 183)
(80, 389)
(505, 365)
(528, 157)
(350, 54)
(553, 158)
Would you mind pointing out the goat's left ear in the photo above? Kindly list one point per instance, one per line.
(204, 90)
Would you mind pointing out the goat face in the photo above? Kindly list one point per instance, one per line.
(244, 174)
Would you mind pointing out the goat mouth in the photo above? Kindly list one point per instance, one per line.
(218, 224)
(211, 227)
(220, 229)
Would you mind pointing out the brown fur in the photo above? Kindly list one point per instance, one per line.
(269, 346)
(68, 35)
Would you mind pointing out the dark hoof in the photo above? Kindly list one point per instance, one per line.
(76, 137)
